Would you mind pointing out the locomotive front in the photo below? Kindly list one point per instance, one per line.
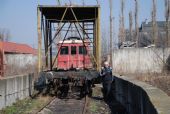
(74, 54)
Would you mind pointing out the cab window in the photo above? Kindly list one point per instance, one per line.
(82, 50)
(73, 50)
(64, 50)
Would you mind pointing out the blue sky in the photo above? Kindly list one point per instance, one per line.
(20, 16)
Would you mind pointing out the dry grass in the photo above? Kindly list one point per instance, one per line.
(26, 106)
(159, 81)
(13, 69)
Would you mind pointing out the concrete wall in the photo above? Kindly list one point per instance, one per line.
(140, 98)
(15, 88)
(139, 60)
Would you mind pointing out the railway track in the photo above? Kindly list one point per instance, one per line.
(71, 105)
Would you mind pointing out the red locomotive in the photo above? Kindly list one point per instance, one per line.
(73, 54)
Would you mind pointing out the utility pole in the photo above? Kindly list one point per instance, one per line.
(154, 24)
(167, 15)
(136, 24)
(111, 32)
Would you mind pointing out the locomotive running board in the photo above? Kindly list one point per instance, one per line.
(89, 75)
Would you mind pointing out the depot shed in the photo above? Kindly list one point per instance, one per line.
(15, 58)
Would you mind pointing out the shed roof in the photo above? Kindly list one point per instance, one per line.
(83, 13)
(11, 47)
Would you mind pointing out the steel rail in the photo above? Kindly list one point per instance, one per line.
(85, 105)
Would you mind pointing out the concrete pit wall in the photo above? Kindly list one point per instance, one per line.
(140, 98)
(15, 88)
(139, 60)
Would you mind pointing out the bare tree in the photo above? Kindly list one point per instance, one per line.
(104, 43)
(97, 2)
(58, 2)
(154, 24)
(119, 34)
(121, 23)
(136, 23)
(130, 26)
(111, 31)
(83, 2)
(4, 35)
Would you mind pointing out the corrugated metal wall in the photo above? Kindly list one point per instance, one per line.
(20, 63)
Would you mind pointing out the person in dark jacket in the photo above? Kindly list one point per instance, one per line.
(107, 78)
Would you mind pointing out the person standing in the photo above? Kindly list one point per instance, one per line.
(107, 79)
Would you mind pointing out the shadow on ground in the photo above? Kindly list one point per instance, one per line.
(113, 105)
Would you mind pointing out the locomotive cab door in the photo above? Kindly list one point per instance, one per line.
(73, 57)
(82, 56)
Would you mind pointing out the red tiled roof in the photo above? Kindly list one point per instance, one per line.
(10, 47)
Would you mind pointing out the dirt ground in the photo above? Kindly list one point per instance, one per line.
(97, 105)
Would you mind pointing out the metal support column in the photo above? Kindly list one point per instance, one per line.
(98, 41)
(46, 42)
(39, 38)
(50, 40)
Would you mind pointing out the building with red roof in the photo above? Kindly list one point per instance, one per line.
(10, 47)
(15, 57)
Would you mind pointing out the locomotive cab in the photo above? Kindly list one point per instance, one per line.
(73, 54)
